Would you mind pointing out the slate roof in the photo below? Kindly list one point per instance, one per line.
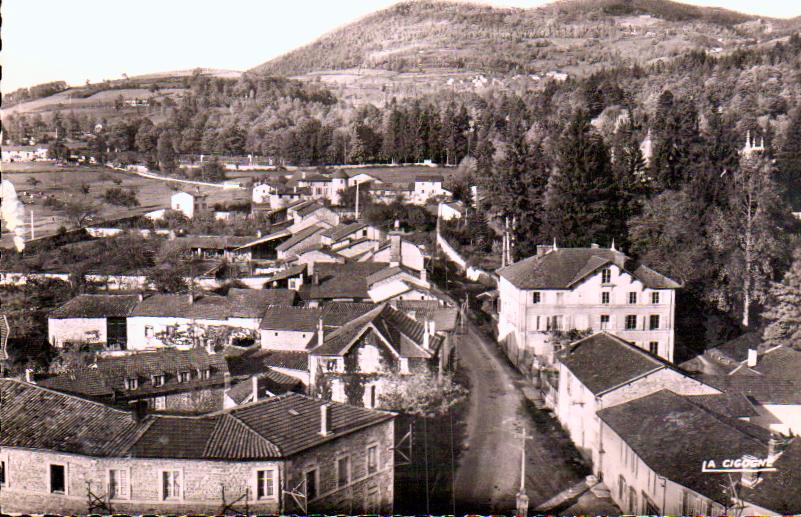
(401, 332)
(204, 307)
(565, 267)
(604, 361)
(289, 272)
(251, 303)
(97, 306)
(389, 272)
(280, 234)
(734, 405)
(215, 242)
(348, 280)
(38, 418)
(107, 378)
(673, 436)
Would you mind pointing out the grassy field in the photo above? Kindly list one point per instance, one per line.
(57, 181)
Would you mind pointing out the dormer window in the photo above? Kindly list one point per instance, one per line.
(207, 373)
(606, 276)
(183, 376)
(131, 383)
(158, 380)
(330, 365)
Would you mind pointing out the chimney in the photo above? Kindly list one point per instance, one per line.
(140, 297)
(29, 376)
(316, 278)
(752, 358)
(594, 246)
(424, 275)
(774, 448)
(210, 347)
(397, 225)
(544, 249)
(255, 385)
(258, 233)
(325, 420)
(320, 332)
(426, 337)
(191, 297)
(227, 381)
(394, 250)
(139, 409)
(749, 479)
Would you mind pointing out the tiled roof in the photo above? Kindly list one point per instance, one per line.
(343, 230)
(389, 272)
(205, 307)
(564, 267)
(255, 361)
(289, 272)
(292, 421)
(401, 332)
(603, 361)
(736, 349)
(251, 303)
(299, 237)
(280, 234)
(433, 177)
(734, 405)
(306, 319)
(309, 209)
(37, 418)
(348, 280)
(107, 378)
(97, 306)
(271, 381)
(673, 436)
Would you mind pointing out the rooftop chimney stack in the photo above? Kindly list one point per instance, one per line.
(426, 336)
(227, 381)
(320, 332)
(255, 385)
(394, 250)
(325, 420)
(29, 375)
(191, 297)
(752, 358)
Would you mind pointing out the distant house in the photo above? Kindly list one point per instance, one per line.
(269, 383)
(340, 456)
(397, 251)
(189, 204)
(339, 282)
(604, 370)
(294, 328)
(560, 289)
(166, 380)
(97, 319)
(427, 187)
(228, 247)
(343, 234)
(654, 449)
(450, 211)
(770, 381)
(24, 153)
(398, 283)
(353, 360)
(303, 240)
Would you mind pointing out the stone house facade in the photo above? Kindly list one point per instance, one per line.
(247, 458)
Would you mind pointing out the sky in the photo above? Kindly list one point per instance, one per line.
(76, 40)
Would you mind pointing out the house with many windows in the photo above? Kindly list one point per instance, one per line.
(282, 455)
(593, 288)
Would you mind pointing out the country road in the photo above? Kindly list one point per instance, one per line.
(488, 474)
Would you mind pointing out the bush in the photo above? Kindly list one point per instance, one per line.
(120, 197)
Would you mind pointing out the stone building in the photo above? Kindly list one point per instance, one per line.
(287, 454)
(99, 319)
(582, 288)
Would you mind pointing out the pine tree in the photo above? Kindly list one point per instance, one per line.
(783, 311)
(582, 195)
(789, 161)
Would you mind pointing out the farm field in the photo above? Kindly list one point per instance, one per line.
(55, 181)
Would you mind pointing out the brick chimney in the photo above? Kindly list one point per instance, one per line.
(325, 420)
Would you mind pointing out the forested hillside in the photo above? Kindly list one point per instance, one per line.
(569, 35)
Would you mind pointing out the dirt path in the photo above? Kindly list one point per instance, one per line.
(489, 471)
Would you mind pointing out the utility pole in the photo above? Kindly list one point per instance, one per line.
(357, 200)
(521, 499)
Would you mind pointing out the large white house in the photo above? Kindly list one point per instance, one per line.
(561, 289)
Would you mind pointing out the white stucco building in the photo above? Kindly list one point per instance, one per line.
(561, 289)
(188, 204)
